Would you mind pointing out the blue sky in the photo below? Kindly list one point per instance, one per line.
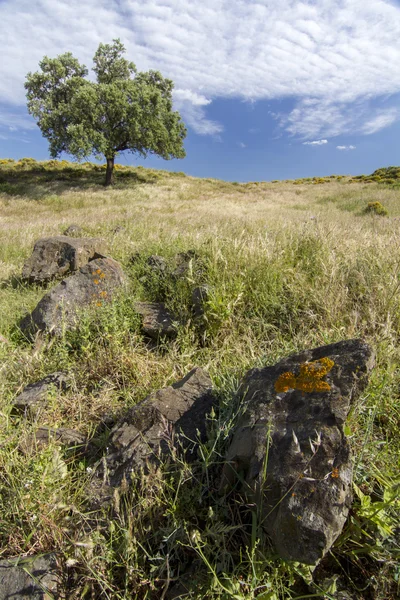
(269, 89)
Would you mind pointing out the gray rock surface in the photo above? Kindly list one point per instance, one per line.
(157, 264)
(94, 284)
(150, 429)
(200, 296)
(69, 438)
(73, 231)
(33, 578)
(289, 451)
(58, 256)
(33, 397)
(157, 321)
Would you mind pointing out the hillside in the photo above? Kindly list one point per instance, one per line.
(287, 266)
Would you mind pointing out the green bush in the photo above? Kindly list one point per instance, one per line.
(376, 208)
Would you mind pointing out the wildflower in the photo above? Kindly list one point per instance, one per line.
(98, 271)
(96, 282)
(102, 275)
(103, 294)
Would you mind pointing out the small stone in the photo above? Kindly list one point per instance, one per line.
(71, 439)
(157, 321)
(157, 264)
(200, 296)
(74, 231)
(33, 578)
(33, 397)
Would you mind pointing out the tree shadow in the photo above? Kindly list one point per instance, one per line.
(39, 181)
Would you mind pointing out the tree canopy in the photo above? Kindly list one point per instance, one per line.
(123, 110)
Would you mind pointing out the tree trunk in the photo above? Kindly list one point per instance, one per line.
(110, 171)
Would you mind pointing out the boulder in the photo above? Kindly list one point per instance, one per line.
(74, 231)
(157, 321)
(94, 284)
(150, 430)
(289, 451)
(33, 578)
(33, 397)
(58, 256)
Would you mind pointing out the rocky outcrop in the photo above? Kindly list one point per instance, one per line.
(289, 451)
(171, 418)
(33, 397)
(58, 256)
(157, 321)
(94, 284)
(33, 578)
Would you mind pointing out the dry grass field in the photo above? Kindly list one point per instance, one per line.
(289, 265)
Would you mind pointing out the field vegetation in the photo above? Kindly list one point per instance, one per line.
(289, 265)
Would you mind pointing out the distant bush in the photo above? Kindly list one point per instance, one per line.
(376, 208)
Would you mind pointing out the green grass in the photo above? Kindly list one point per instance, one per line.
(286, 271)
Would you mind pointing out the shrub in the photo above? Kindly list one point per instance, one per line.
(376, 208)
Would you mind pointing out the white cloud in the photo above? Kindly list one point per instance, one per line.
(242, 145)
(316, 143)
(334, 57)
(345, 147)
(382, 119)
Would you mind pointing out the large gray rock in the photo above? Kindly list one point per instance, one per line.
(157, 321)
(33, 397)
(58, 256)
(94, 284)
(33, 578)
(289, 451)
(150, 430)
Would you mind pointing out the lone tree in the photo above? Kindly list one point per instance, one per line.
(124, 110)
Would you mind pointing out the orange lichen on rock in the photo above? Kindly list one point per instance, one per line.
(309, 378)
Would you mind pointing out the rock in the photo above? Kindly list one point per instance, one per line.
(157, 264)
(58, 256)
(33, 397)
(95, 283)
(289, 448)
(149, 430)
(33, 578)
(157, 321)
(74, 231)
(200, 296)
(69, 438)
(184, 262)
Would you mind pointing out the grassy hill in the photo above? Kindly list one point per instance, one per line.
(289, 265)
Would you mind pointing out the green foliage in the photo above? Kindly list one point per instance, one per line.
(123, 111)
(376, 208)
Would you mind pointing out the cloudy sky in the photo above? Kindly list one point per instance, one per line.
(269, 89)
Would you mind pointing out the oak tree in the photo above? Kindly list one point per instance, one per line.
(123, 110)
